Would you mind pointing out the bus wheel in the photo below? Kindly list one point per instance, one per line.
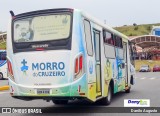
(1, 76)
(128, 90)
(109, 97)
(60, 101)
(107, 100)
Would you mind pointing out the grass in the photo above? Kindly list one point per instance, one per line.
(3, 45)
(136, 30)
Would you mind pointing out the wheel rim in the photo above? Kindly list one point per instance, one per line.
(109, 95)
(0, 76)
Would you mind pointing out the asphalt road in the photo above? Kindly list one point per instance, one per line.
(147, 87)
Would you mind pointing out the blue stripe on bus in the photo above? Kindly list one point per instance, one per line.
(3, 63)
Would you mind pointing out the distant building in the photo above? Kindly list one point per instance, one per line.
(147, 47)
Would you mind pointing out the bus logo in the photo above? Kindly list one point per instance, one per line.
(24, 68)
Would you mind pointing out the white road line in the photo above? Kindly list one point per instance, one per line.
(4, 92)
(143, 78)
(152, 78)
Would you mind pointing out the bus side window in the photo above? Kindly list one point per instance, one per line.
(88, 37)
(118, 42)
(108, 37)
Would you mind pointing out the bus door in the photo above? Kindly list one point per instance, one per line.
(125, 61)
(97, 46)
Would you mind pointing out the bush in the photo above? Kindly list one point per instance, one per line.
(149, 28)
(136, 28)
(134, 24)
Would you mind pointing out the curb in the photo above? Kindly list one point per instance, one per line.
(4, 88)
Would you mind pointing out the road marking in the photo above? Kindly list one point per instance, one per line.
(152, 78)
(143, 78)
(3, 92)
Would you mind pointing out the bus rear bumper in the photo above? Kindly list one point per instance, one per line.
(76, 89)
(48, 98)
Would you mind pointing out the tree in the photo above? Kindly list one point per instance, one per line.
(134, 24)
(136, 28)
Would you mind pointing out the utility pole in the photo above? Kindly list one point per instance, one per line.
(104, 21)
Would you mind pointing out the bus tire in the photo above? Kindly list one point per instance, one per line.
(128, 90)
(107, 100)
(60, 101)
(109, 97)
(1, 76)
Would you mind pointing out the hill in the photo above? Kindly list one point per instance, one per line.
(3, 45)
(136, 30)
(2, 42)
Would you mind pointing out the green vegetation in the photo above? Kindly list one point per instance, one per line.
(3, 45)
(136, 30)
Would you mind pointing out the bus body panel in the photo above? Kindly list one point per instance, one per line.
(42, 68)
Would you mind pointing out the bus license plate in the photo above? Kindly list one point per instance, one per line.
(43, 91)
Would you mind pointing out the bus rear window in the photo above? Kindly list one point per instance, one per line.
(42, 28)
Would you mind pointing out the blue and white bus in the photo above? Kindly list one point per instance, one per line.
(3, 65)
(65, 54)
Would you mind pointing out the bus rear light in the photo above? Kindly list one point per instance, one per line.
(10, 69)
(39, 49)
(78, 66)
(80, 62)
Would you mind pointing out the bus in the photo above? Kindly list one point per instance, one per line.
(3, 61)
(66, 54)
(3, 65)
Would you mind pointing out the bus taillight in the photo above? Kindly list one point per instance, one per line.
(80, 63)
(78, 67)
(10, 71)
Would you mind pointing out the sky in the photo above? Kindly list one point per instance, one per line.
(115, 12)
